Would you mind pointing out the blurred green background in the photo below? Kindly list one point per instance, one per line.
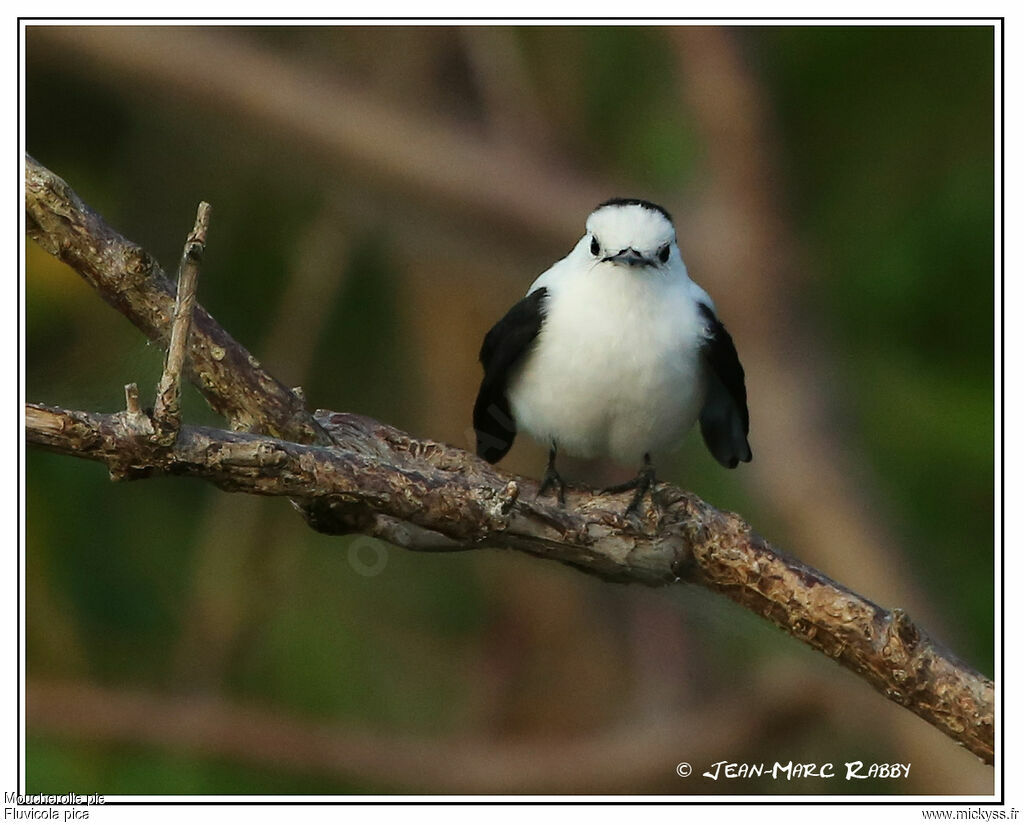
(380, 196)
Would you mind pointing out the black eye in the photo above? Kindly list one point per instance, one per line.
(595, 247)
(663, 254)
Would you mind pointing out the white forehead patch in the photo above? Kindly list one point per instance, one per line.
(619, 226)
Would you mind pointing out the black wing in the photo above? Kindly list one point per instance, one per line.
(724, 420)
(503, 346)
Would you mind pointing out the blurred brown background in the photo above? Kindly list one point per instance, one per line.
(381, 195)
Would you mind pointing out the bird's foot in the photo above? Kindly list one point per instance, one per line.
(552, 480)
(645, 482)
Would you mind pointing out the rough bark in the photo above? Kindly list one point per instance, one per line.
(424, 495)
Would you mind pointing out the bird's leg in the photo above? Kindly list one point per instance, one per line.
(645, 481)
(552, 478)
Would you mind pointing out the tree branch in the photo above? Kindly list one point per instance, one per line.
(633, 752)
(126, 277)
(424, 495)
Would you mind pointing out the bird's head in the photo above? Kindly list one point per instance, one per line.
(631, 232)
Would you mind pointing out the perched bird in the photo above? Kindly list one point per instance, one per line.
(614, 352)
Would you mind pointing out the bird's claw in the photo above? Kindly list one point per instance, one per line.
(644, 482)
(552, 479)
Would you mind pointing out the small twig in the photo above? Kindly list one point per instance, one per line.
(131, 399)
(137, 424)
(167, 409)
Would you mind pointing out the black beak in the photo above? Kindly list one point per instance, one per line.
(628, 256)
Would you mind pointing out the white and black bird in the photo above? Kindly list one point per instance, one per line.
(614, 352)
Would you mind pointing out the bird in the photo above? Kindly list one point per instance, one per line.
(614, 352)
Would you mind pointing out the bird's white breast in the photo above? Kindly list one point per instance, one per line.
(616, 369)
